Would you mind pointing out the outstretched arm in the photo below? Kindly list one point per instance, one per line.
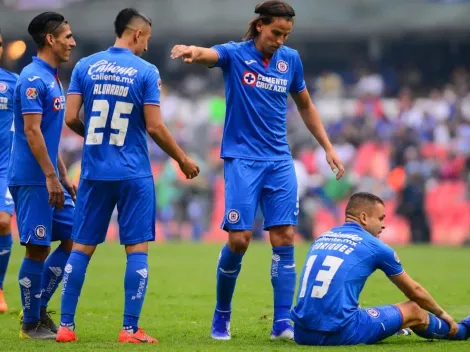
(312, 120)
(195, 54)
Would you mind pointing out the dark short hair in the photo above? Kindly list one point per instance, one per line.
(361, 200)
(43, 24)
(124, 17)
(266, 12)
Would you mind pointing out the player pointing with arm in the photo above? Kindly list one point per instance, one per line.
(37, 176)
(259, 74)
(338, 264)
(121, 97)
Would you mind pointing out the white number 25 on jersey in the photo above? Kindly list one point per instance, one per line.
(323, 276)
(117, 122)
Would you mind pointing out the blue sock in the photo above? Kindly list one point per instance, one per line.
(6, 241)
(283, 279)
(228, 268)
(30, 277)
(135, 286)
(53, 272)
(439, 329)
(74, 276)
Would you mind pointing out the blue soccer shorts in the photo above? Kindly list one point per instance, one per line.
(368, 326)
(249, 183)
(7, 205)
(136, 205)
(38, 222)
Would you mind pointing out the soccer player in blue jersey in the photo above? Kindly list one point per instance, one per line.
(259, 75)
(121, 96)
(338, 264)
(37, 175)
(7, 88)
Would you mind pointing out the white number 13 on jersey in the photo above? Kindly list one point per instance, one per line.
(117, 122)
(324, 276)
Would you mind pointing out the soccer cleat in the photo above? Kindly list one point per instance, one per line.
(404, 332)
(282, 330)
(466, 323)
(3, 303)
(39, 332)
(47, 321)
(221, 326)
(66, 335)
(138, 337)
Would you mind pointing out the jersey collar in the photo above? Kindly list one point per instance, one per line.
(119, 50)
(45, 65)
(353, 224)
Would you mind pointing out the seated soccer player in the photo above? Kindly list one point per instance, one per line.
(339, 262)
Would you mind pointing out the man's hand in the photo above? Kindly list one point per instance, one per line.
(454, 328)
(335, 163)
(56, 193)
(185, 52)
(70, 187)
(189, 168)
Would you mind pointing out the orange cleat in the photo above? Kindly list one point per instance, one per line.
(139, 337)
(66, 335)
(3, 303)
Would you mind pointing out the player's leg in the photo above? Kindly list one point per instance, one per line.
(54, 266)
(34, 218)
(6, 241)
(136, 216)
(279, 203)
(93, 209)
(427, 325)
(243, 182)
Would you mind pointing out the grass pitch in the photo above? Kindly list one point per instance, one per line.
(181, 297)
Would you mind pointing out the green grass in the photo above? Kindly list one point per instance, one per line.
(181, 293)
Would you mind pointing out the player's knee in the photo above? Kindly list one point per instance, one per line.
(67, 245)
(413, 314)
(5, 221)
(238, 241)
(282, 235)
(38, 253)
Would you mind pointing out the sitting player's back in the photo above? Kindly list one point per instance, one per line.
(114, 83)
(338, 265)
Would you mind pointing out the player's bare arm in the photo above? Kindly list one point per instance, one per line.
(162, 136)
(64, 178)
(417, 293)
(32, 130)
(195, 54)
(72, 120)
(312, 120)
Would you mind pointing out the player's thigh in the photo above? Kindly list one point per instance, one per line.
(374, 324)
(243, 184)
(93, 209)
(62, 221)
(33, 214)
(279, 198)
(7, 205)
(136, 210)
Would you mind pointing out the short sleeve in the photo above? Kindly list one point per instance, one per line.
(225, 52)
(152, 87)
(32, 91)
(298, 81)
(74, 87)
(389, 262)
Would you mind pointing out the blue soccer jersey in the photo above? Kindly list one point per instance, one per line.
(337, 267)
(7, 89)
(115, 85)
(38, 91)
(256, 93)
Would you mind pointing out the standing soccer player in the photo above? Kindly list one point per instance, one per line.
(121, 95)
(7, 88)
(37, 175)
(259, 74)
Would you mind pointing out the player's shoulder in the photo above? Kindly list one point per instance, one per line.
(287, 51)
(6, 75)
(33, 74)
(147, 66)
(84, 62)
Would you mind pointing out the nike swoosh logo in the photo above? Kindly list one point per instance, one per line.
(227, 271)
(249, 62)
(4, 251)
(140, 340)
(289, 266)
(31, 79)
